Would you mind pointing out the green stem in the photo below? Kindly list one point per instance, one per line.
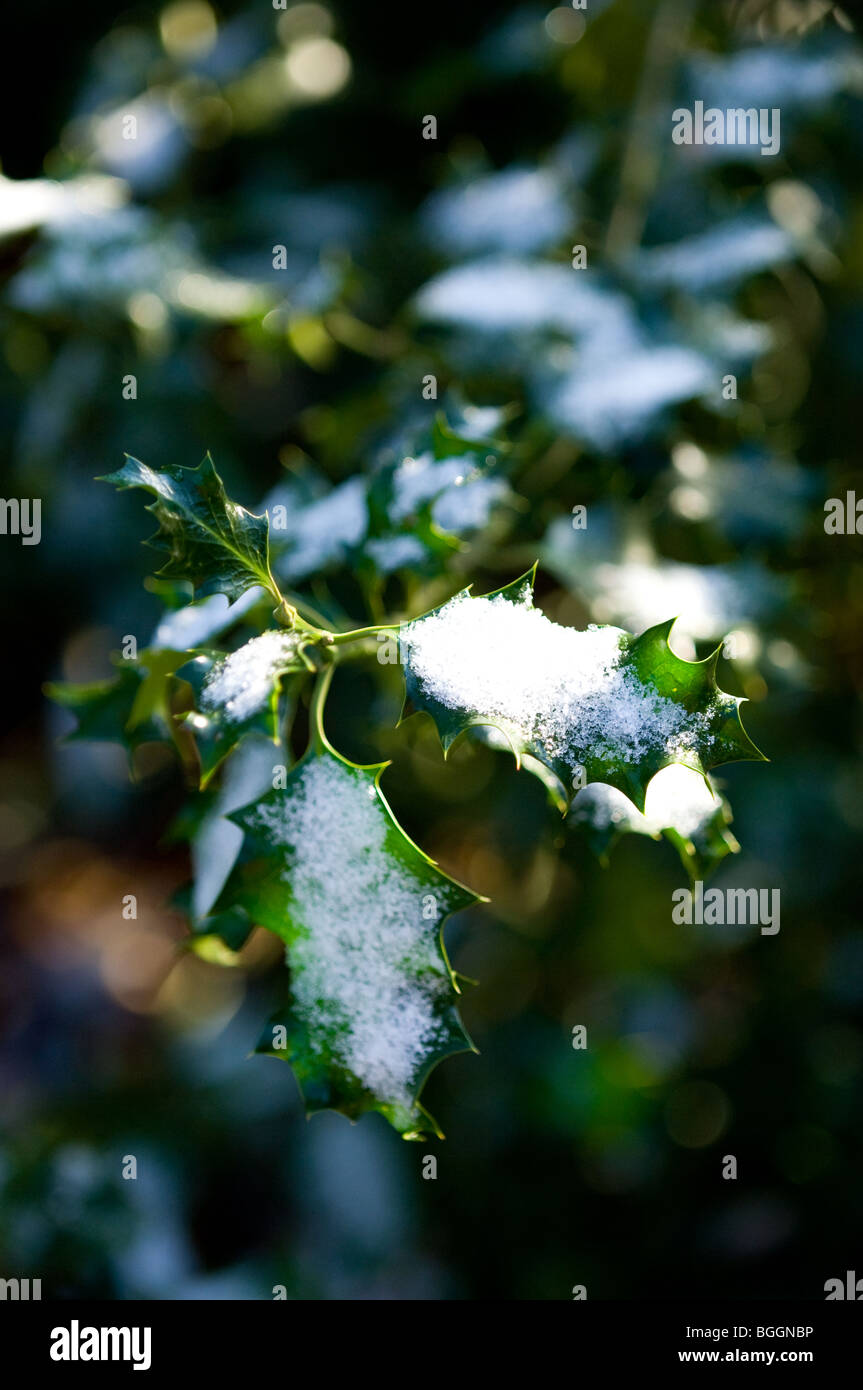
(339, 638)
(307, 612)
(316, 711)
(290, 616)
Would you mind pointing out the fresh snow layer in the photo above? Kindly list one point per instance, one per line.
(462, 496)
(564, 689)
(366, 973)
(242, 684)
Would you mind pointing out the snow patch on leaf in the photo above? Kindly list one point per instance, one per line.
(242, 684)
(568, 691)
(368, 979)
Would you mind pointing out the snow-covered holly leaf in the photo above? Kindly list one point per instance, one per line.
(372, 1003)
(680, 804)
(720, 257)
(239, 694)
(593, 706)
(193, 625)
(612, 397)
(454, 495)
(320, 534)
(518, 210)
(210, 540)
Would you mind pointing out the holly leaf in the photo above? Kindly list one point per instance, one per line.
(448, 439)
(216, 545)
(131, 708)
(681, 805)
(360, 908)
(703, 846)
(214, 844)
(239, 694)
(192, 626)
(103, 709)
(593, 706)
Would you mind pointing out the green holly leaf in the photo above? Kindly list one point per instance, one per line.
(372, 1003)
(593, 706)
(704, 846)
(448, 439)
(216, 545)
(681, 805)
(103, 709)
(239, 693)
(131, 708)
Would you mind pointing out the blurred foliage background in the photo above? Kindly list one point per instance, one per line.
(405, 257)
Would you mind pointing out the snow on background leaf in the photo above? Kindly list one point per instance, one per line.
(403, 512)
(320, 534)
(129, 262)
(516, 210)
(613, 566)
(599, 366)
(612, 397)
(196, 624)
(718, 257)
(504, 294)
